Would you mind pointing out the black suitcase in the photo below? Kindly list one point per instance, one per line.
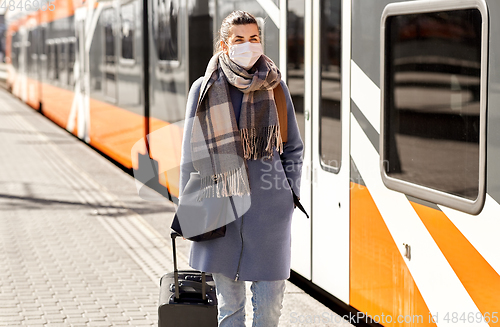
(187, 298)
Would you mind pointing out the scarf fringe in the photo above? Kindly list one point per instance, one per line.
(234, 182)
(260, 144)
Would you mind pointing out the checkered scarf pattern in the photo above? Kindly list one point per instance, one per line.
(219, 148)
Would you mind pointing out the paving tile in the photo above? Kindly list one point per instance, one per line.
(49, 302)
(69, 306)
(72, 312)
(95, 315)
(34, 321)
(53, 315)
(90, 306)
(11, 316)
(32, 314)
(115, 311)
(55, 322)
(12, 319)
(76, 320)
(129, 306)
(9, 311)
(143, 323)
(99, 323)
(120, 324)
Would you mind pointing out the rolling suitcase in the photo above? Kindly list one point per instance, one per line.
(187, 297)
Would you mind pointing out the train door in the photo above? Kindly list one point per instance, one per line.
(80, 107)
(20, 87)
(330, 146)
(32, 65)
(42, 60)
(298, 35)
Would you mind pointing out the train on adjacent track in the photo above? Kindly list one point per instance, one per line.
(398, 104)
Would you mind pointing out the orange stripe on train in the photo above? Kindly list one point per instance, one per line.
(480, 280)
(115, 131)
(381, 283)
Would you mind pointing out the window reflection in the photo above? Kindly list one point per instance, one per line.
(109, 38)
(295, 32)
(165, 26)
(71, 62)
(330, 118)
(62, 62)
(108, 17)
(30, 52)
(56, 61)
(433, 63)
(128, 30)
(50, 61)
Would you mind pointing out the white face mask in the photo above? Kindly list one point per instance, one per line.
(245, 54)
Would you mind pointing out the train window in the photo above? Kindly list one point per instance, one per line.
(55, 54)
(62, 62)
(49, 60)
(127, 14)
(71, 61)
(434, 103)
(43, 48)
(17, 55)
(109, 38)
(53, 72)
(330, 119)
(295, 57)
(165, 29)
(15, 51)
(34, 50)
(30, 51)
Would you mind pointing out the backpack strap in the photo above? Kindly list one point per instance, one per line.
(279, 98)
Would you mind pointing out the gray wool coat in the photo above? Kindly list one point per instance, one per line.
(257, 246)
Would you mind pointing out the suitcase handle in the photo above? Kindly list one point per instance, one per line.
(197, 286)
(173, 235)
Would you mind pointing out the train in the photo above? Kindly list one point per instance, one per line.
(398, 104)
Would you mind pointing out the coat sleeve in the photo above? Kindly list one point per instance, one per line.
(292, 155)
(186, 162)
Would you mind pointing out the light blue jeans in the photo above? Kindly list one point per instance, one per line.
(267, 301)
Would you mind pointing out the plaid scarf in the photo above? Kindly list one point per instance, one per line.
(219, 149)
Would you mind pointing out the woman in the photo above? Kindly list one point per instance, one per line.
(237, 109)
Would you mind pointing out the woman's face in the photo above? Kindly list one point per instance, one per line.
(240, 34)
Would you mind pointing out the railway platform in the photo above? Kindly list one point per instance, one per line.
(78, 246)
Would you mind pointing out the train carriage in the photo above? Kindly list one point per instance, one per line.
(397, 104)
